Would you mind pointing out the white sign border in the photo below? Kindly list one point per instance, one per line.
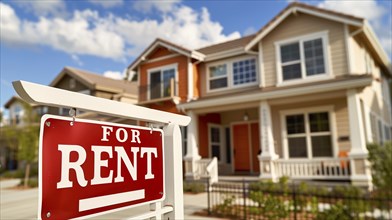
(45, 117)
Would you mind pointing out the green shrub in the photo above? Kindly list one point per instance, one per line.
(380, 158)
(337, 211)
(225, 208)
(13, 174)
(194, 187)
(33, 182)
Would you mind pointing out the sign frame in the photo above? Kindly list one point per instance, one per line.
(77, 120)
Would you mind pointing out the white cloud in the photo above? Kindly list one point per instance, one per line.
(378, 16)
(79, 35)
(107, 3)
(118, 38)
(43, 8)
(76, 59)
(148, 6)
(114, 75)
(249, 31)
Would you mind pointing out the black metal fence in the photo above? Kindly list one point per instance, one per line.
(257, 200)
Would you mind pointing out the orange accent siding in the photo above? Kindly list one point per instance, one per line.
(203, 131)
(159, 52)
(181, 61)
(167, 106)
(254, 129)
(196, 91)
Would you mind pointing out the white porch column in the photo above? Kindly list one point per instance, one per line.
(268, 156)
(192, 154)
(360, 168)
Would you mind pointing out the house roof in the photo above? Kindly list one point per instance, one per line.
(164, 43)
(14, 99)
(247, 43)
(97, 82)
(296, 7)
(225, 46)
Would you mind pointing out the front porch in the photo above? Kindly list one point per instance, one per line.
(303, 140)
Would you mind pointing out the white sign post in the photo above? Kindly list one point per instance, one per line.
(172, 207)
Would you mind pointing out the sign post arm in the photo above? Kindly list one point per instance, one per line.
(49, 96)
(173, 174)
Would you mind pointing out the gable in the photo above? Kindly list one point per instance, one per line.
(159, 52)
(65, 83)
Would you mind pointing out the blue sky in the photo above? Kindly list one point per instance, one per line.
(39, 38)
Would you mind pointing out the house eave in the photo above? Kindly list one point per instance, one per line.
(281, 93)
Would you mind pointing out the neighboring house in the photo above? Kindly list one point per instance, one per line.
(16, 120)
(93, 84)
(75, 80)
(300, 98)
(16, 111)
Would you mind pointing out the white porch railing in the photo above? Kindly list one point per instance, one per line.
(207, 168)
(338, 168)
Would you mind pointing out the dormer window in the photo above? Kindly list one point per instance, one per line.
(301, 58)
(162, 82)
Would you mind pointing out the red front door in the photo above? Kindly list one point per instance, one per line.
(241, 146)
(246, 145)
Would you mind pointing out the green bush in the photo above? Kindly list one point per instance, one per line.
(33, 182)
(380, 158)
(194, 187)
(13, 174)
(337, 211)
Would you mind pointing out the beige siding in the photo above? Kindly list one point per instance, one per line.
(298, 25)
(358, 57)
(341, 121)
(238, 116)
(373, 99)
(104, 95)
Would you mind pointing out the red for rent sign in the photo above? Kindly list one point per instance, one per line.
(90, 167)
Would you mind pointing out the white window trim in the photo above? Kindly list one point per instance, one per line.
(229, 75)
(221, 143)
(300, 39)
(307, 111)
(161, 69)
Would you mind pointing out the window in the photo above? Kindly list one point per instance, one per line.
(63, 111)
(380, 132)
(244, 71)
(387, 134)
(218, 76)
(216, 141)
(373, 124)
(302, 58)
(308, 135)
(161, 82)
(184, 135)
(232, 73)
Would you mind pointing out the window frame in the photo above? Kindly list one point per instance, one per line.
(161, 69)
(221, 144)
(230, 73)
(323, 35)
(308, 134)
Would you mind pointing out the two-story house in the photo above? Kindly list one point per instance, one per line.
(74, 80)
(93, 84)
(300, 98)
